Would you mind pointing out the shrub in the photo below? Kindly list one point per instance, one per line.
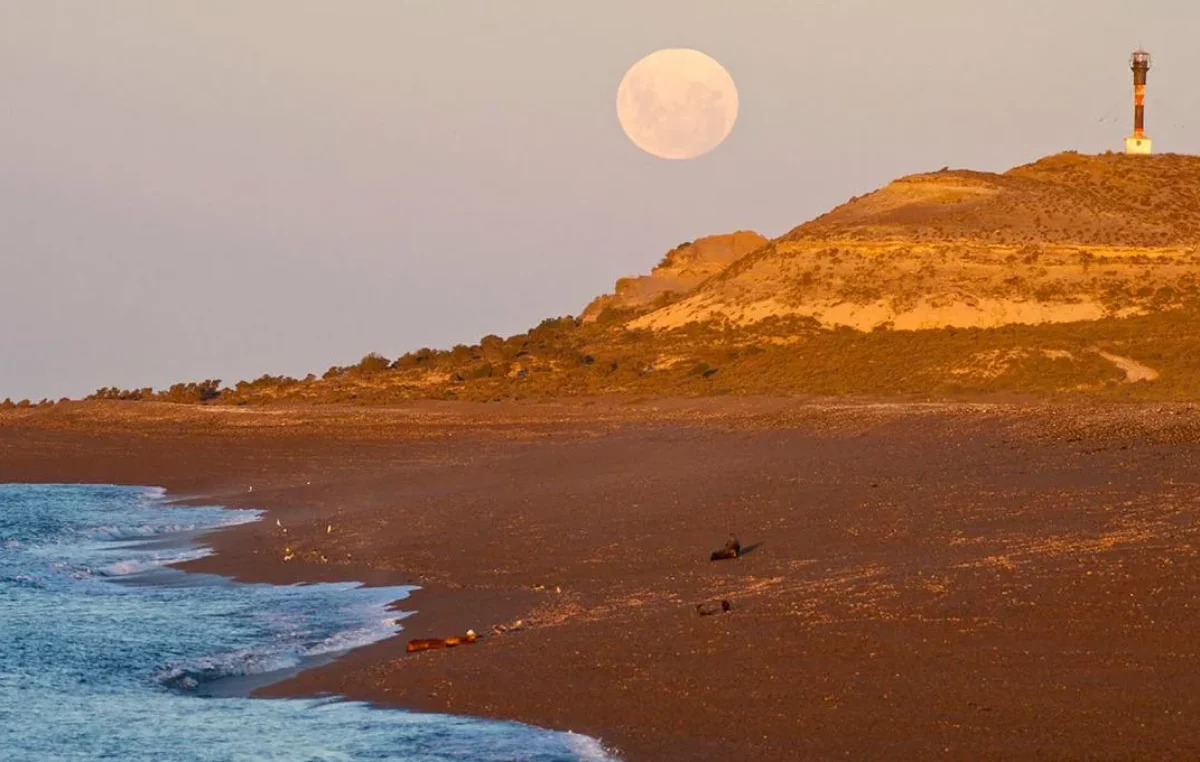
(185, 393)
(372, 363)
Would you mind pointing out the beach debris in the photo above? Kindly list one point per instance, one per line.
(711, 608)
(251, 489)
(329, 529)
(732, 549)
(557, 589)
(516, 626)
(288, 555)
(427, 644)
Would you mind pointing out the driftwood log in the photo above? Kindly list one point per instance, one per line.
(427, 644)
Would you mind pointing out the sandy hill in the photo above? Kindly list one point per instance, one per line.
(1069, 238)
(1072, 275)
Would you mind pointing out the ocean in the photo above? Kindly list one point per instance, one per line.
(108, 653)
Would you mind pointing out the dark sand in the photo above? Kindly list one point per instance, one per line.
(963, 582)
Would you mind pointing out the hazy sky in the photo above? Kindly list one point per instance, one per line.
(231, 187)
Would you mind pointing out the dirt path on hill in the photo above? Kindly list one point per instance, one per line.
(1134, 370)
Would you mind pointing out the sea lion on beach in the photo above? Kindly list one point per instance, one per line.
(732, 549)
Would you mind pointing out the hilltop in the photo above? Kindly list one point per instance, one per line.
(1073, 275)
(1106, 200)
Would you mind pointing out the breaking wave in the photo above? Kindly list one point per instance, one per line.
(142, 565)
(588, 749)
(147, 531)
(293, 647)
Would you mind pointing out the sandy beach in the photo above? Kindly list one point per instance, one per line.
(960, 581)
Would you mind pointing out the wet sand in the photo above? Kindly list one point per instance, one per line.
(966, 582)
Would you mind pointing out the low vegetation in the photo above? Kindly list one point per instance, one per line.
(565, 357)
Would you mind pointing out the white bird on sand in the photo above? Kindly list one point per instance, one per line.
(251, 489)
(278, 523)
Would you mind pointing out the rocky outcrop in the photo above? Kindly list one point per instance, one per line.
(678, 274)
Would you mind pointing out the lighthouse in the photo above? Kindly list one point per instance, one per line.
(1138, 144)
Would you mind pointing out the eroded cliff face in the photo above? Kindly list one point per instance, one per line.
(906, 285)
(678, 274)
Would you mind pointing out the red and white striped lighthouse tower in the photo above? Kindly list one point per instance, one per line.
(1138, 144)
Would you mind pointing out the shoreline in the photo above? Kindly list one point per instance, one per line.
(98, 613)
(993, 580)
(440, 604)
(445, 609)
(433, 610)
(252, 685)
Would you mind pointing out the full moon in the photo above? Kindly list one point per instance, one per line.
(677, 104)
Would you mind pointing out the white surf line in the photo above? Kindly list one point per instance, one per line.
(1134, 370)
